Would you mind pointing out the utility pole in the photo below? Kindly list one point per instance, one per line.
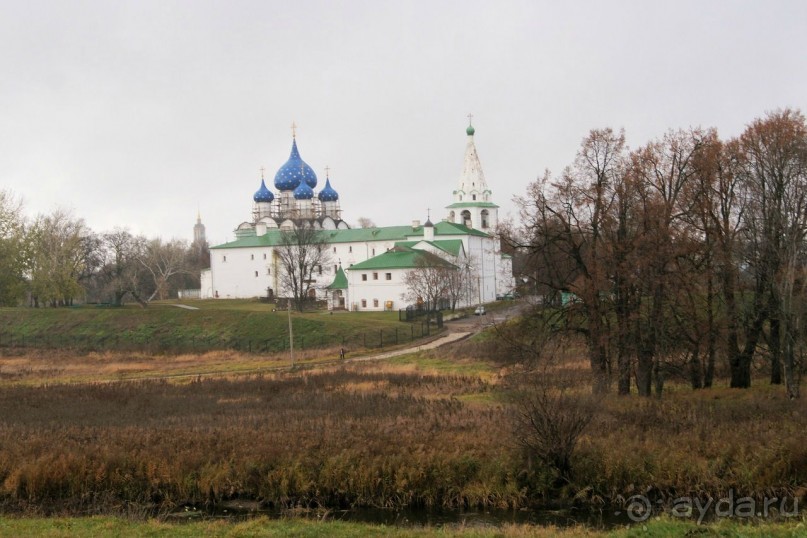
(291, 337)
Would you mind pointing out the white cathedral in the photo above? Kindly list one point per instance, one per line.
(368, 265)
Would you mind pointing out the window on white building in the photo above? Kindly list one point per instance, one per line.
(375, 276)
(364, 277)
(264, 255)
(224, 258)
(364, 303)
(268, 271)
(375, 303)
(256, 274)
(388, 276)
(350, 248)
(251, 256)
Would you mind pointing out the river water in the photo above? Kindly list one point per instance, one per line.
(238, 510)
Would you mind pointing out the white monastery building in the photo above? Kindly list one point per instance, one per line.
(367, 266)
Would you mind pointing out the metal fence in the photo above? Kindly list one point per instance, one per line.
(376, 339)
(424, 310)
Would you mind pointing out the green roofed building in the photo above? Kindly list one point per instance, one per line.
(365, 267)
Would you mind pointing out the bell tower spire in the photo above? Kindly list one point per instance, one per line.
(472, 205)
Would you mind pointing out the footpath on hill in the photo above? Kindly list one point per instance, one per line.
(455, 330)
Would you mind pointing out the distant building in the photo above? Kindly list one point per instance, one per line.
(367, 264)
(199, 231)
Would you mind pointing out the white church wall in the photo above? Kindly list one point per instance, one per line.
(240, 273)
(206, 288)
(482, 254)
(377, 294)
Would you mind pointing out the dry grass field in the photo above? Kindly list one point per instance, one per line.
(430, 430)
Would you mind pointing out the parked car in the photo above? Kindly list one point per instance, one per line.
(480, 311)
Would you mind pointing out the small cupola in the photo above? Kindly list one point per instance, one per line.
(263, 195)
(328, 194)
(428, 230)
(303, 192)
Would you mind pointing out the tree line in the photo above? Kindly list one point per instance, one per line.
(57, 260)
(683, 257)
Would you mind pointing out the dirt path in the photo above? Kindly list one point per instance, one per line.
(441, 341)
(456, 330)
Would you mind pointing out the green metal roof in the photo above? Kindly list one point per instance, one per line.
(449, 228)
(356, 235)
(471, 204)
(450, 246)
(339, 281)
(401, 259)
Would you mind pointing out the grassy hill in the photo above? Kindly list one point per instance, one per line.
(232, 324)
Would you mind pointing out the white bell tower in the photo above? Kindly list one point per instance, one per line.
(472, 199)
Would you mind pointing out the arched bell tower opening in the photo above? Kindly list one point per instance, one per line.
(466, 218)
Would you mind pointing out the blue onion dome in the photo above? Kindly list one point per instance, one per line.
(294, 172)
(263, 194)
(303, 192)
(328, 194)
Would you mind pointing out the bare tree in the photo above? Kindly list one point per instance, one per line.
(551, 409)
(162, 261)
(664, 168)
(564, 232)
(302, 251)
(772, 160)
(122, 273)
(365, 222)
(551, 415)
(431, 281)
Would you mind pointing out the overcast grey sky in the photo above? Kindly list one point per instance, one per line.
(134, 114)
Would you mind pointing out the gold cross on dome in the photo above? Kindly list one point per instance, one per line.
(262, 169)
(327, 171)
(470, 118)
(293, 130)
